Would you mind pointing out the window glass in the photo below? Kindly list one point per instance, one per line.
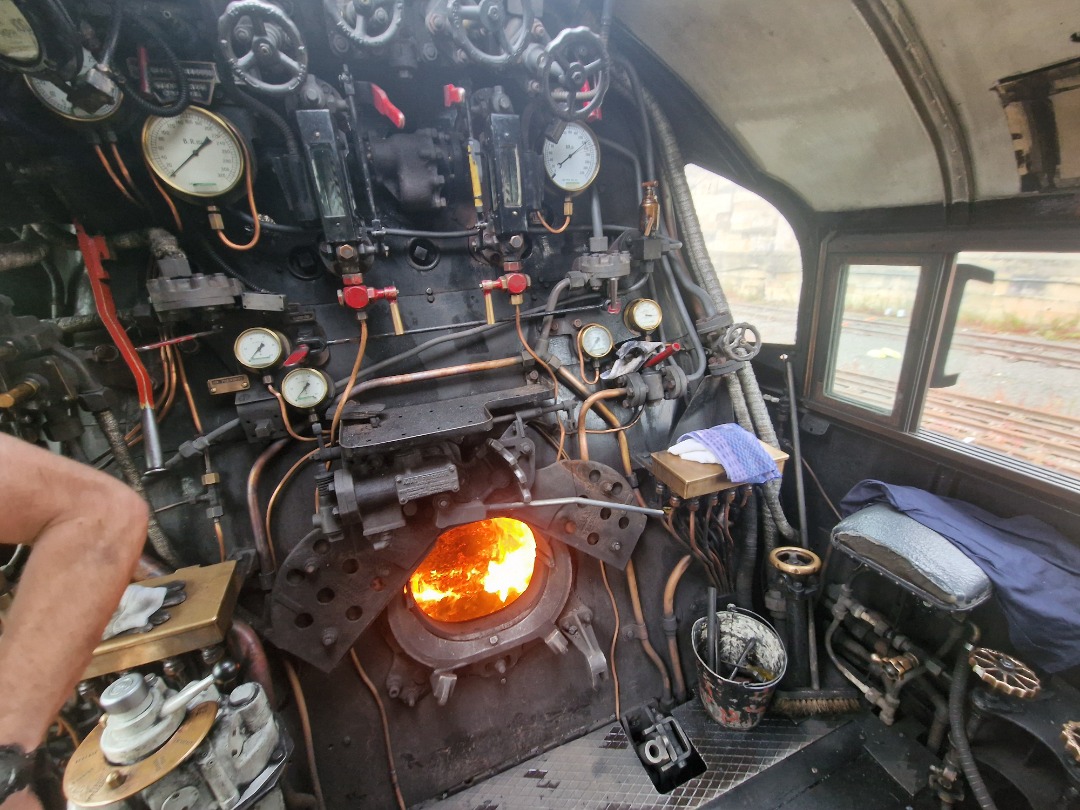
(872, 333)
(1016, 351)
(754, 251)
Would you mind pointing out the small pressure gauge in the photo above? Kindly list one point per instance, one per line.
(196, 153)
(55, 97)
(260, 348)
(307, 387)
(596, 341)
(643, 315)
(573, 161)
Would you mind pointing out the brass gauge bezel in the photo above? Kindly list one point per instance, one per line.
(593, 327)
(282, 342)
(307, 370)
(181, 191)
(631, 319)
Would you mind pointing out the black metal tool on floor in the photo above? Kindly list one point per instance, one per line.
(669, 757)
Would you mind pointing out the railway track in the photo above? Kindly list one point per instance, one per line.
(1038, 437)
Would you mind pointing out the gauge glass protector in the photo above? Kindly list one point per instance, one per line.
(596, 341)
(573, 161)
(196, 153)
(17, 38)
(305, 388)
(259, 348)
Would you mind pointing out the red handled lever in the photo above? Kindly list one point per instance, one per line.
(662, 355)
(386, 107)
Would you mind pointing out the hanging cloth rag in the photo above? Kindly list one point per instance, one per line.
(734, 448)
(1035, 569)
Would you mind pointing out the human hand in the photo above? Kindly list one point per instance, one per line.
(23, 800)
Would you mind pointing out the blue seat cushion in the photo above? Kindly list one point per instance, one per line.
(915, 557)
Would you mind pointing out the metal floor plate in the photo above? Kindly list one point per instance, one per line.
(600, 771)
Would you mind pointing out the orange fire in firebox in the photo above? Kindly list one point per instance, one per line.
(474, 570)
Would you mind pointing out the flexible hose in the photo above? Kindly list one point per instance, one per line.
(691, 332)
(958, 735)
(553, 301)
(263, 110)
(669, 626)
(183, 88)
(159, 541)
(744, 577)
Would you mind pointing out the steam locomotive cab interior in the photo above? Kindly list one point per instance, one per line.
(400, 313)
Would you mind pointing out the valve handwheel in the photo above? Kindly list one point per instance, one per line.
(741, 342)
(794, 560)
(367, 23)
(1070, 734)
(575, 57)
(491, 16)
(275, 47)
(1004, 674)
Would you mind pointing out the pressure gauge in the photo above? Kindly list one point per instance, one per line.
(573, 161)
(18, 42)
(643, 315)
(596, 341)
(196, 153)
(55, 97)
(260, 348)
(307, 387)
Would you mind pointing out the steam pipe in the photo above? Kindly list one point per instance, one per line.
(15, 255)
(553, 301)
(691, 332)
(670, 627)
(258, 530)
(583, 412)
(744, 578)
(641, 630)
(597, 216)
(250, 646)
(432, 374)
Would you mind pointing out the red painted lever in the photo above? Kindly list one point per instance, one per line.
(385, 106)
(662, 355)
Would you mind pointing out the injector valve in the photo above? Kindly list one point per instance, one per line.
(357, 296)
(513, 283)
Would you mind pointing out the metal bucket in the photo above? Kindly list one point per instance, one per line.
(737, 696)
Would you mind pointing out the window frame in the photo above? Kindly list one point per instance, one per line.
(937, 253)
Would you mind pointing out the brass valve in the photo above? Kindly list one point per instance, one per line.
(20, 393)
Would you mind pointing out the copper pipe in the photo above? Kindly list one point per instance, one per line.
(642, 631)
(304, 459)
(669, 626)
(258, 530)
(586, 406)
(251, 652)
(305, 728)
(433, 374)
(578, 387)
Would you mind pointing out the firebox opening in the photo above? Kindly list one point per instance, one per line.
(475, 570)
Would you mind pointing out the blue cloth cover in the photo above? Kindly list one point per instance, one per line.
(1035, 570)
(740, 453)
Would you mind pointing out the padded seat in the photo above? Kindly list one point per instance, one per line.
(916, 558)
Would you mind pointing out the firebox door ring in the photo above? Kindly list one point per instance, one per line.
(452, 648)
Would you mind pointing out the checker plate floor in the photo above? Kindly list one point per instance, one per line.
(600, 771)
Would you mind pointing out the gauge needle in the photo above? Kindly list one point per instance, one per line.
(307, 385)
(194, 154)
(564, 159)
(258, 351)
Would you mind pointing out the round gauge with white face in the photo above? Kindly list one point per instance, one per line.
(260, 348)
(643, 315)
(573, 161)
(596, 341)
(307, 387)
(55, 97)
(18, 42)
(196, 153)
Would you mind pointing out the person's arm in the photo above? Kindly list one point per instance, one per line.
(87, 530)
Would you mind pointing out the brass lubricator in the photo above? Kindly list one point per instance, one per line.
(92, 781)
(1004, 674)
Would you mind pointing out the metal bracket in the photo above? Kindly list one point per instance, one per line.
(576, 622)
